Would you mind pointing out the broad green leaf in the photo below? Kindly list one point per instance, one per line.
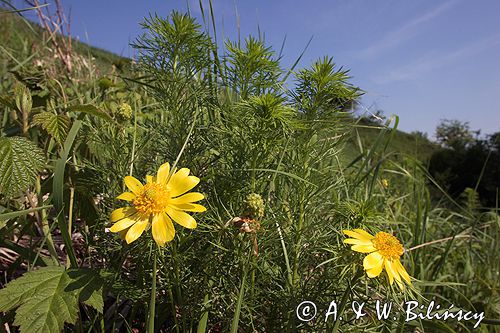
(56, 125)
(48, 297)
(20, 162)
(41, 301)
(90, 286)
(92, 110)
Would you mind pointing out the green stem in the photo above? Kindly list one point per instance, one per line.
(237, 312)
(298, 237)
(70, 210)
(178, 291)
(58, 190)
(152, 302)
(45, 222)
(345, 297)
(174, 312)
(134, 139)
(254, 165)
(252, 276)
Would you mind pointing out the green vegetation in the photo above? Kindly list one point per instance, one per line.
(282, 171)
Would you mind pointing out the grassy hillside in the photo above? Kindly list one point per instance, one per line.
(401, 144)
(21, 38)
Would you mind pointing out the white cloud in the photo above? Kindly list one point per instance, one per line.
(429, 62)
(404, 33)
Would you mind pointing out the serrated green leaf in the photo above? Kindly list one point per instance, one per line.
(43, 304)
(90, 287)
(92, 110)
(56, 125)
(20, 162)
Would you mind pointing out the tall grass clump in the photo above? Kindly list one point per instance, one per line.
(267, 148)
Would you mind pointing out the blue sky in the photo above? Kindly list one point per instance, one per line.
(422, 60)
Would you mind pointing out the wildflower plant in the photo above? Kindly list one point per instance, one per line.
(275, 151)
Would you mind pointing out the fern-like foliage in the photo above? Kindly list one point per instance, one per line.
(48, 297)
(20, 162)
(56, 125)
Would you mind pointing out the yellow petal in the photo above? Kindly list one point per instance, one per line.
(133, 184)
(188, 198)
(191, 208)
(123, 224)
(163, 173)
(374, 259)
(121, 213)
(375, 271)
(178, 176)
(182, 218)
(351, 233)
(363, 248)
(181, 182)
(402, 271)
(357, 241)
(392, 272)
(127, 196)
(136, 230)
(149, 179)
(364, 233)
(356, 235)
(163, 229)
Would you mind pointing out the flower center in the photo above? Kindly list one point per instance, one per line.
(153, 199)
(388, 245)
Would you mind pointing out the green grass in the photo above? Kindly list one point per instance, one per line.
(19, 36)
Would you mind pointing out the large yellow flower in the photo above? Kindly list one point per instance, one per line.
(384, 252)
(157, 203)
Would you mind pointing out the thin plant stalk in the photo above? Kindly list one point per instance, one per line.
(134, 139)
(177, 283)
(345, 297)
(241, 295)
(152, 301)
(45, 223)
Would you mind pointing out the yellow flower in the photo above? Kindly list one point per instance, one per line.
(384, 252)
(157, 203)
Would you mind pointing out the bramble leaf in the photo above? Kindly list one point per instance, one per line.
(20, 162)
(56, 125)
(43, 305)
(48, 298)
(89, 285)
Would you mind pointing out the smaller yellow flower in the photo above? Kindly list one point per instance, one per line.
(162, 199)
(385, 183)
(384, 252)
(125, 110)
